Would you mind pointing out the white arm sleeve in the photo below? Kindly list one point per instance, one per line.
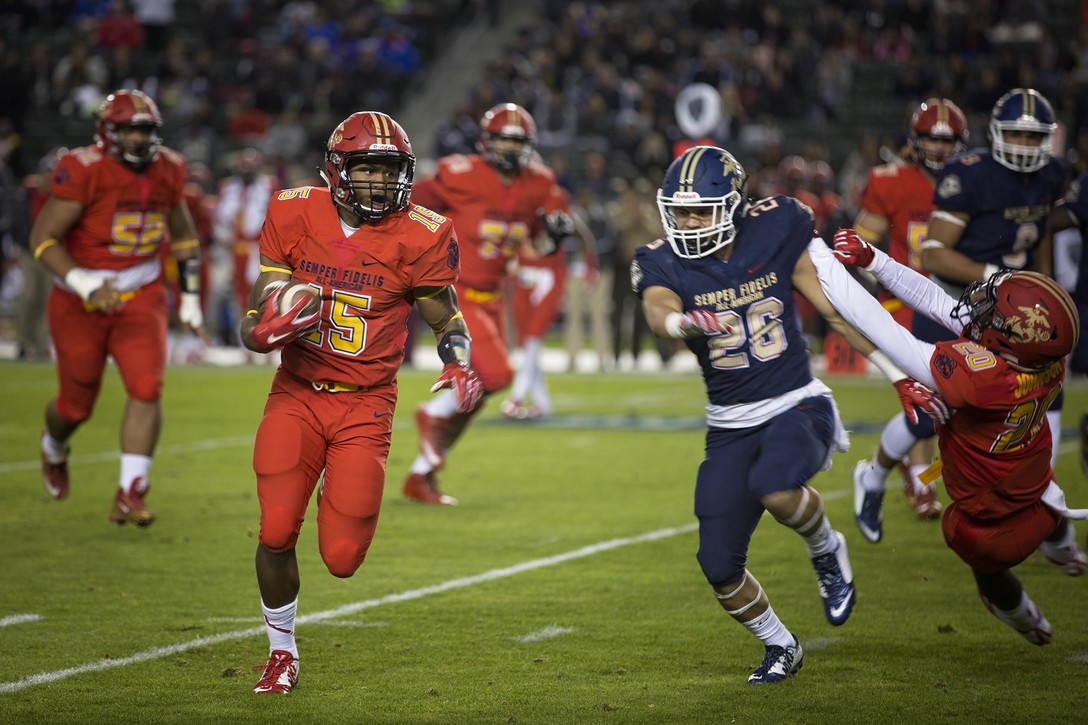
(915, 290)
(865, 314)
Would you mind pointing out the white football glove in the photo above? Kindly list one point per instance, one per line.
(189, 311)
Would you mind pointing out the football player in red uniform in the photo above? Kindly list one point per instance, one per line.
(539, 288)
(111, 206)
(499, 200)
(369, 254)
(1000, 376)
(896, 204)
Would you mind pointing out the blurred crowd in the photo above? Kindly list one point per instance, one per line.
(808, 95)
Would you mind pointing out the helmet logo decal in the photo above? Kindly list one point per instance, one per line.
(950, 186)
(1034, 326)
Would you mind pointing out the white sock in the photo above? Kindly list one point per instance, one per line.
(442, 405)
(541, 398)
(523, 379)
(1019, 618)
(875, 479)
(769, 630)
(1054, 418)
(421, 465)
(820, 541)
(896, 438)
(133, 467)
(54, 450)
(280, 625)
(916, 478)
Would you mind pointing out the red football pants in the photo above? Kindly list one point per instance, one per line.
(134, 336)
(346, 435)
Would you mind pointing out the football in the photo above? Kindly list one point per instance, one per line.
(291, 294)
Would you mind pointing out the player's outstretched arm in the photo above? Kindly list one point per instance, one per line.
(438, 307)
(915, 290)
(863, 315)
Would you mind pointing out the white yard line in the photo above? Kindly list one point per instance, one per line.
(19, 619)
(549, 632)
(209, 444)
(44, 678)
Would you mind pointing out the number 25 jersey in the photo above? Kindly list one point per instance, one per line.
(365, 281)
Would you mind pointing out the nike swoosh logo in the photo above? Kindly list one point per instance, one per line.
(753, 270)
(837, 612)
(276, 338)
(366, 264)
(380, 415)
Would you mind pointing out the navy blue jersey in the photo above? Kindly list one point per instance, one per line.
(766, 356)
(1008, 209)
(1076, 201)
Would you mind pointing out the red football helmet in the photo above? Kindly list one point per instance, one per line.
(507, 120)
(369, 136)
(937, 118)
(128, 108)
(1025, 317)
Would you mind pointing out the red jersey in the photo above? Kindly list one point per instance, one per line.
(995, 450)
(492, 219)
(902, 194)
(125, 212)
(365, 280)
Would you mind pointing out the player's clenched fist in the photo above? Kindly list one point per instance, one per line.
(694, 323)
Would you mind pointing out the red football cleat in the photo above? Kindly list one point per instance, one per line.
(280, 674)
(55, 475)
(423, 487)
(131, 507)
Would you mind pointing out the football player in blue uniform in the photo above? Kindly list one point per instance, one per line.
(1072, 213)
(723, 280)
(990, 209)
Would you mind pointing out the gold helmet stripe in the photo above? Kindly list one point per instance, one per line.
(687, 169)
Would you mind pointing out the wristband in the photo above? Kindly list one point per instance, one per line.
(44, 246)
(82, 282)
(672, 325)
(189, 279)
(886, 366)
(989, 271)
(454, 346)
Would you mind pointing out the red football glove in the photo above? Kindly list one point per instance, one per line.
(913, 395)
(701, 322)
(275, 330)
(852, 250)
(465, 384)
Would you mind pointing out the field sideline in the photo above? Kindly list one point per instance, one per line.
(563, 589)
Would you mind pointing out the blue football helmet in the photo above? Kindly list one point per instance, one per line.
(707, 177)
(1022, 109)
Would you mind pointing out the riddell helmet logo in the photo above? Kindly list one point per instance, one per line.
(1034, 326)
(686, 196)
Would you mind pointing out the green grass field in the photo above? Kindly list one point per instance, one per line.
(563, 589)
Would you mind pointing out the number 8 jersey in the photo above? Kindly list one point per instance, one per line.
(766, 355)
